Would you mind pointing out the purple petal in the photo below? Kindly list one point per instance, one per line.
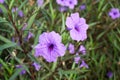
(37, 66)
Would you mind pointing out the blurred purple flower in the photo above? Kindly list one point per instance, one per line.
(82, 49)
(29, 35)
(23, 71)
(62, 8)
(1, 1)
(82, 7)
(77, 26)
(83, 64)
(61, 2)
(109, 74)
(20, 13)
(71, 48)
(40, 2)
(36, 65)
(50, 46)
(14, 9)
(24, 26)
(77, 58)
(71, 3)
(0, 10)
(0, 65)
(114, 13)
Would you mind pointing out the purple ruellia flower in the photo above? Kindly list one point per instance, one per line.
(0, 10)
(24, 26)
(71, 48)
(14, 9)
(82, 49)
(71, 3)
(29, 35)
(37, 66)
(40, 2)
(0, 65)
(77, 58)
(20, 13)
(61, 2)
(77, 26)
(50, 46)
(110, 74)
(62, 8)
(82, 7)
(23, 71)
(1, 1)
(114, 13)
(83, 64)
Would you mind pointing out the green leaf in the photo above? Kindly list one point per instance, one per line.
(17, 72)
(5, 39)
(5, 46)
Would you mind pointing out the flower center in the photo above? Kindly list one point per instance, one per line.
(77, 28)
(51, 47)
(115, 13)
(70, 2)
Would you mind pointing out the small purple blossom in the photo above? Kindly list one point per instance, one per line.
(24, 26)
(62, 8)
(82, 49)
(77, 58)
(1, 10)
(114, 13)
(20, 13)
(1, 1)
(82, 7)
(61, 2)
(50, 46)
(37, 66)
(29, 35)
(77, 26)
(14, 9)
(71, 48)
(0, 65)
(40, 2)
(109, 74)
(83, 64)
(71, 3)
(23, 71)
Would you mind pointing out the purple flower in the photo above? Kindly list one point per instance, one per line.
(62, 8)
(50, 46)
(109, 74)
(83, 64)
(61, 2)
(0, 10)
(0, 65)
(71, 48)
(114, 13)
(77, 26)
(82, 49)
(71, 3)
(83, 7)
(29, 35)
(24, 26)
(77, 58)
(1, 1)
(36, 65)
(20, 13)
(14, 9)
(23, 71)
(40, 2)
